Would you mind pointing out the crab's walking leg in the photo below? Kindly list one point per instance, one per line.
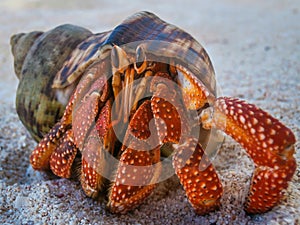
(93, 165)
(40, 157)
(92, 137)
(139, 166)
(268, 142)
(136, 178)
(198, 176)
(196, 173)
(192, 166)
(62, 158)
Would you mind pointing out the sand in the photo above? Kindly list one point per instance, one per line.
(255, 48)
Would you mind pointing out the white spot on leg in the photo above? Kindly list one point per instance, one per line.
(261, 137)
(254, 121)
(270, 141)
(268, 121)
(272, 132)
(264, 145)
(242, 119)
(261, 129)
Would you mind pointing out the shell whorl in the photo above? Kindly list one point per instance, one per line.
(175, 43)
(37, 61)
(20, 46)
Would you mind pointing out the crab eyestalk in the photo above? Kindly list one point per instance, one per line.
(269, 143)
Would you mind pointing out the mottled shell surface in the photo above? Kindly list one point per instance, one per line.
(38, 58)
(168, 41)
(55, 61)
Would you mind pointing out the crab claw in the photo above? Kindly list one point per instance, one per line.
(171, 119)
(268, 142)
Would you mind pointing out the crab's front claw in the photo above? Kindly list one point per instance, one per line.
(267, 185)
(268, 142)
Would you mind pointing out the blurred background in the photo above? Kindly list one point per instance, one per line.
(226, 28)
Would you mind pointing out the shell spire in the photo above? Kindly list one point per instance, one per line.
(20, 45)
(38, 57)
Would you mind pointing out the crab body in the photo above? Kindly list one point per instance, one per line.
(133, 92)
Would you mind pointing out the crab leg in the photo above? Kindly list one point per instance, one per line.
(139, 137)
(92, 135)
(170, 117)
(136, 178)
(62, 158)
(193, 168)
(198, 176)
(139, 166)
(40, 156)
(93, 164)
(268, 142)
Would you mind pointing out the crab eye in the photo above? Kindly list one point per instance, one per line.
(140, 65)
(119, 59)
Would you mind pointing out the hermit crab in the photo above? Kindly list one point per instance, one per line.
(111, 107)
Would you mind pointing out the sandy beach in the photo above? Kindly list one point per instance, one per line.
(255, 49)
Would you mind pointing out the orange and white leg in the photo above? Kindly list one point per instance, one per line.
(136, 177)
(93, 165)
(192, 166)
(98, 142)
(40, 156)
(268, 142)
(198, 176)
(139, 167)
(59, 141)
(95, 137)
(62, 158)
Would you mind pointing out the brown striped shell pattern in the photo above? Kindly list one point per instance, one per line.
(128, 105)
